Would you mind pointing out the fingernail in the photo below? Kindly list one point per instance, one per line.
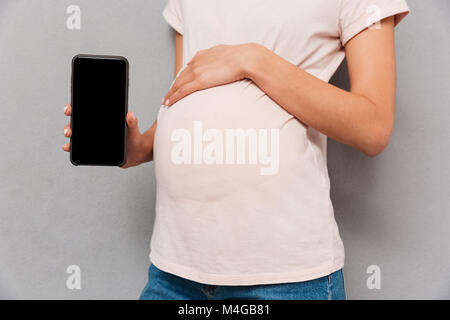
(65, 131)
(167, 102)
(133, 116)
(65, 108)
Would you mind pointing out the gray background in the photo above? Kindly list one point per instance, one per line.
(392, 210)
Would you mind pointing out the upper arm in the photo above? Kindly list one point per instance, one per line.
(371, 65)
(178, 52)
(173, 14)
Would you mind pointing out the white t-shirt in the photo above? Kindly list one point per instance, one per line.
(243, 194)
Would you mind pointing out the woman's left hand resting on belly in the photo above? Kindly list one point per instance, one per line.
(212, 67)
(362, 118)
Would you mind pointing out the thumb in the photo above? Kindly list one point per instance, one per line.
(132, 123)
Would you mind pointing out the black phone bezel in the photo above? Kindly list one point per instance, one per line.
(110, 57)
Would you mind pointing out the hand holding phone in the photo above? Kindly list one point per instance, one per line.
(101, 130)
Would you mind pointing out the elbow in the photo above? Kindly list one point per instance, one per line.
(377, 141)
(374, 151)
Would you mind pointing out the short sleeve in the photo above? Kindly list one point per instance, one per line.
(357, 15)
(172, 14)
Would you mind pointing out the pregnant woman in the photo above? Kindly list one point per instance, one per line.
(243, 207)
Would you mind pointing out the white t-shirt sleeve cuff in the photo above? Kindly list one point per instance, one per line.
(172, 19)
(397, 9)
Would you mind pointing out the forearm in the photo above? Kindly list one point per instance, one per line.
(350, 118)
(149, 137)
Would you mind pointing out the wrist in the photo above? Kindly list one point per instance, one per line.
(147, 146)
(253, 55)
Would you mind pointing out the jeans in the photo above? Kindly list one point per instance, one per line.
(166, 286)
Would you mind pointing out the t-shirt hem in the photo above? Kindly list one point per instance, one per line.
(243, 279)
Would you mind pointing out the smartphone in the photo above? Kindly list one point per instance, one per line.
(99, 109)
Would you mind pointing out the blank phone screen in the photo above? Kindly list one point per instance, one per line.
(99, 107)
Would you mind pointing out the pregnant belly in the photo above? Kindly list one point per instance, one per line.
(217, 140)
